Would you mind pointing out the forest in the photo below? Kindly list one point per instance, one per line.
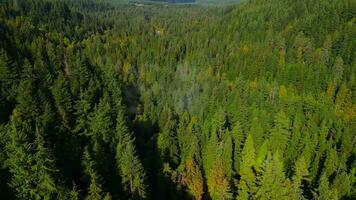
(248, 101)
(168, 2)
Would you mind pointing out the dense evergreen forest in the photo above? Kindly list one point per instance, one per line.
(249, 101)
(198, 2)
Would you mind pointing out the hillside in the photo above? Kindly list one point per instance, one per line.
(254, 100)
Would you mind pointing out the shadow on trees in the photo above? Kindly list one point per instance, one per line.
(160, 186)
(5, 191)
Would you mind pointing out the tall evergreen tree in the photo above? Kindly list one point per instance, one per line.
(273, 183)
(95, 191)
(247, 183)
(195, 181)
(301, 174)
(129, 166)
(324, 190)
(280, 133)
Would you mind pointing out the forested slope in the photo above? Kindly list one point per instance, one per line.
(250, 101)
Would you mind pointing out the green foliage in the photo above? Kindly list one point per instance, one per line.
(247, 184)
(324, 191)
(33, 171)
(159, 101)
(273, 183)
(95, 191)
(280, 133)
(301, 174)
(129, 166)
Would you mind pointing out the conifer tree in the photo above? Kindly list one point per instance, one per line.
(131, 170)
(63, 100)
(237, 140)
(74, 193)
(194, 86)
(218, 183)
(46, 169)
(331, 162)
(82, 113)
(273, 183)
(195, 182)
(129, 166)
(247, 182)
(324, 191)
(301, 174)
(280, 133)
(95, 191)
(8, 76)
(167, 141)
(343, 185)
(256, 128)
(338, 70)
(294, 145)
(101, 123)
(33, 171)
